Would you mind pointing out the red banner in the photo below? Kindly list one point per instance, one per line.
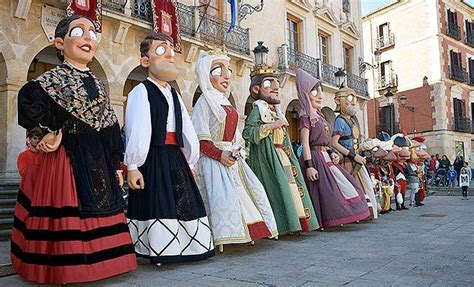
(166, 21)
(91, 9)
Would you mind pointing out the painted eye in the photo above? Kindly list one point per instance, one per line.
(267, 84)
(216, 72)
(230, 71)
(160, 50)
(350, 98)
(314, 93)
(76, 32)
(93, 35)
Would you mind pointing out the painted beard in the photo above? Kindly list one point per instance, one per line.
(164, 71)
(269, 99)
(351, 110)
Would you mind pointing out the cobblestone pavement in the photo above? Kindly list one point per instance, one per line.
(431, 245)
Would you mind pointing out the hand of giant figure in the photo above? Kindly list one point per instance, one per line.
(50, 142)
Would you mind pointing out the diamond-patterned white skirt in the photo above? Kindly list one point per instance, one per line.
(172, 240)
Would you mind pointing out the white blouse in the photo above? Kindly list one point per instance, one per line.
(138, 127)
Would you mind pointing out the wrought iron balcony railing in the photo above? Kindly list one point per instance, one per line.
(460, 124)
(289, 59)
(457, 73)
(328, 72)
(358, 84)
(212, 30)
(469, 39)
(186, 19)
(385, 41)
(387, 81)
(453, 31)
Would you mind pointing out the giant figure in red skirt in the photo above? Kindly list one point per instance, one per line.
(69, 223)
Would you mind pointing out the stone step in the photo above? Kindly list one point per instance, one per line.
(5, 234)
(7, 212)
(13, 193)
(7, 202)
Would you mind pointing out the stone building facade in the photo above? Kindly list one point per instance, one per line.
(427, 61)
(299, 33)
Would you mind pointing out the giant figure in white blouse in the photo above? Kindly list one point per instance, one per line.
(167, 218)
(236, 201)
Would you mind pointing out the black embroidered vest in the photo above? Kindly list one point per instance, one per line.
(159, 115)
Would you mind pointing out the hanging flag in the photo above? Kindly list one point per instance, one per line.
(91, 9)
(166, 20)
(233, 12)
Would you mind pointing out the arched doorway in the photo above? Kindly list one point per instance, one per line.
(47, 59)
(249, 105)
(293, 118)
(3, 115)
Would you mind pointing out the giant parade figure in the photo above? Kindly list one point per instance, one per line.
(337, 197)
(237, 205)
(167, 217)
(271, 156)
(345, 139)
(69, 225)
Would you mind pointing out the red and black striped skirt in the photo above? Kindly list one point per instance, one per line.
(52, 243)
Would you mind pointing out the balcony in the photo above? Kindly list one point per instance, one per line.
(469, 39)
(385, 41)
(386, 82)
(470, 80)
(460, 124)
(358, 84)
(328, 72)
(289, 59)
(457, 73)
(212, 30)
(453, 31)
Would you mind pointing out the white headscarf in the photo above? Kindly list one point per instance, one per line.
(214, 98)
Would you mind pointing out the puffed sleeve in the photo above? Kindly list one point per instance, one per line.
(137, 127)
(200, 120)
(36, 109)
(338, 127)
(191, 142)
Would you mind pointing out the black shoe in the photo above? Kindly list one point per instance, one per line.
(405, 208)
(399, 208)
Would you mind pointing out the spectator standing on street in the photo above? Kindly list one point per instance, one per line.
(468, 169)
(433, 163)
(464, 180)
(444, 162)
(458, 164)
(452, 176)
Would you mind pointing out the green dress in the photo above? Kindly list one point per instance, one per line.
(276, 166)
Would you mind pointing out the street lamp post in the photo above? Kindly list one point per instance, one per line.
(389, 96)
(340, 78)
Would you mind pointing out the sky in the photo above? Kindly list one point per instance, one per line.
(370, 5)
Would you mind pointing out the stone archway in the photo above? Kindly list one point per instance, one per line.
(248, 105)
(293, 118)
(46, 59)
(3, 114)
